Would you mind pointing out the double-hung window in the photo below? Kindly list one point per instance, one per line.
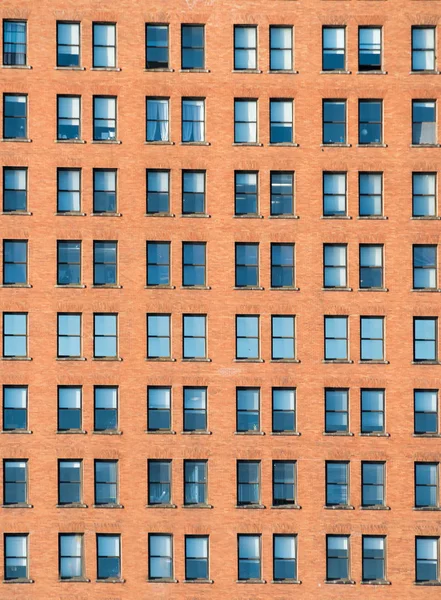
(159, 408)
(157, 46)
(424, 267)
(195, 409)
(370, 188)
(245, 47)
(193, 192)
(106, 482)
(68, 190)
(248, 482)
(282, 193)
(424, 195)
(245, 197)
(159, 476)
(158, 336)
(68, 117)
(68, 44)
(372, 411)
(423, 122)
(248, 409)
(160, 556)
(370, 117)
(15, 335)
(108, 556)
(158, 192)
(423, 48)
(333, 49)
(104, 191)
(335, 265)
(337, 557)
(249, 557)
(337, 483)
(334, 194)
(372, 338)
(15, 408)
(15, 190)
(193, 54)
(104, 118)
(105, 335)
(426, 485)
(281, 121)
(247, 265)
(284, 482)
(336, 410)
(105, 408)
(69, 408)
(69, 481)
(193, 120)
(15, 482)
(69, 335)
(281, 48)
(157, 110)
(247, 337)
(15, 116)
(158, 263)
(284, 557)
(372, 483)
(245, 121)
(195, 482)
(196, 557)
(104, 45)
(68, 262)
(194, 264)
(425, 411)
(427, 559)
(105, 263)
(70, 556)
(374, 555)
(425, 339)
(283, 408)
(14, 43)
(15, 262)
(282, 337)
(195, 336)
(334, 121)
(336, 338)
(16, 556)
(282, 265)
(369, 48)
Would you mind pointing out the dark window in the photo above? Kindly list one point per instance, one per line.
(334, 121)
(15, 189)
(195, 481)
(15, 262)
(108, 556)
(284, 481)
(14, 43)
(15, 481)
(425, 339)
(15, 407)
(104, 263)
(372, 411)
(248, 409)
(157, 119)
(426, 485)
(196, 557)
(15, 334)
(281, 121)
(423, 122)
(245, 47)
(193, 192)
(337, 483)
(16, 556)
(336, 338)
(282, 265)
(245, 121)
(160, 556)
(158, 263)
(374, 552)
(282, 337)
(158, 336)
(336, 410)
(248, 482)
(337, 557)
(281, 52)
(14, 116)
(372, 338)
(104, 45)
(68, 44)
(70, 555)
(105, 408)
(370, 187)
(370, 121)
(372, 483)
(335, 265)
(68, 190)
(192, 46)
(104, 190)
(333, 49)
(426, 411)
(284, 557)
(157, 46)
(68, 117)
(159, 474)
(104, 118)
(159, 408)
(249, 562)
(369, 48)
(105, 336)
(247, 337)
(69, 335)
(195, 409)
(106, 486)
(247, 265)
(193, 120)
(193, 268)
(334, 194)
(69, 482)
(158, 192)
(245, 198)
(195, 336)
(423, 48)
(284, 417)
(69, 262)
(424, 267)
(426, 559)
(424, 194)
(69, 408)
(282, 197)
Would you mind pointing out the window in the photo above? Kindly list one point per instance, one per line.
(245, 197)
(372, 411)
(15, 335)
(281, 121)
(424, 267)
(249, 557)
(370, 121)
(192, 37)
(104, 191)
(423, 122)
(335, 263)
(15, 254)
(15, 478)
(104, 45)
(68, 44)
(369, 48)
(104, 263)
(69, 335)
(195, 336)
(284, 476)
(195, 481)
(425, 339)
(159, 408)
(68, 118)
(333, 49)
(15, 189)
(424, 194)
(248, 482)
(284, 557)
(193, 192)
(69, 408)
(337, 557)
(160, 556)
(157, 120)
(245, 47)
(105, 408)
(70, 555)
(69, 482)
(245, 121)
(334, 121)
(282, 265)
(15, 116)
(374, 557)
(426, 485)
(159, 474)
(106, 487)
(427, 559)
(248, 409)
(284, 417)
(195, 409)
(158, 263)
(69, 262)
(193, 120)
(336, 410)
(247, 337)
(423, 48)
(372, 483)
(247, 265)
(15, 408)
(14, 43)
(281, 48)
(158, 336)
(193, 271)
(158, 188)
(337, 483)
(282, 198)
(157, 46)
(426, 411)
(196, 557)
(336, 338)
(370, 187)
(68, 190)
(105, 336)
(16, 556)
(372, 338)
(282, 338)
(108, 556)
(334, 194)
(104, 118)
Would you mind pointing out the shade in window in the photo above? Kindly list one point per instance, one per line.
(158, 263)
(371, 266)
(159, 408)
(68, 127)
(372, 411)
(69, 408)
(281, 51)
(372, 483)
(196, 557)
(104, 263)
(193, 271)
(282, 337)
(374, 551)
(193, 46)
(159, 474)
(69, 481)
(335, 265)
(283, 400)
(245, 199)
(71, 555)
(370, 121)
(245, 121)
(423, 122)
(336, 338)
(245, 47)
(108, 556)
(68, 44)
(195, 336)
(14, 189)
(282, 265)
(104, 118)
(370, 194)
(247, 265)
(15, 476)
(105, 408)
(106, 482)
(334, 194)
(158, 199)
(104, 45)
(15, 267)
(333, 49)
(158, 336)
(16, 556)
(369, 48)
(426, 411)
(248, 482)
(105, 336)
(423, 48)
(281, 121)
(372, 338)
(193, 192)
(157, 119)
(104, 190)
(334, 121)
(425, 338)
(248, 409)
(15, 407)
(424, 194)
(247, 336)
(336, 410)
(157, 46)
(282, 198)
(14, 116)
(69, 262)
(69, 335)
(15, 326)
(195, 409)
(193, 120)
(160, 556)
(195, 482)
(337, 483)
(337, 557)
(249, 557)
(14, 43)
(284, 481)
(424, 267)
(68, 190)
(426, 485)
(427, 559)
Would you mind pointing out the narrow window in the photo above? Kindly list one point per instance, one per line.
(337, 557)
(423, 122)
(70, 556)
(284, 557)
(334, 121)
(424, 267)
(68, 117)
(15, 262)
(158, 263)
(105, 408)
(15, 482)
(192, 37)
(195, 336)
(195, 409)
(245, 121)
(370, 121)
(105, 336)
(15, 189)
(336, 338)
(15, 408)
(14, 43)
(196, 557)
(105, 263)
(104, 45)
(104, 191)
(16, 556)
(427, 559)
(68, 190)
(193, 268)
(426, 411)
(68, 44)
(106, 482)
(425, 339)
(160, 556)
(337, 483)
(157, 120)
(158, 336)
(374, 553)
(423, 48)
(335, 265)
(424, 194)
(284, 417)
(158, 192)
(193, 120)
(336, 410)
(370, 187)
(69, 482)
(282, 265)
(426, 485)
(282, 196)
(69, 262)
(334, 194)
(245, 198)
(333, 49)
(195, 482)
(159, 408)
(281, 121)
(247, 337)
(372, 338)
(15, 335)
(248, 482)
(159, 475)
(157, 46)
(248, 409)
(247, 265)
(282, 337)
(69, 408)
(249, 560)
(108, 556)
(69, 335)
(284, 483)
(15, 116)
(369, 48)
(372, 483)
(193, 192)
(372, 411)
(104, 118)
(281, 48)
(245, 47)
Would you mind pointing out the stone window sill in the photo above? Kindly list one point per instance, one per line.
(285, 289)
(194, 71)
(161, 506)
(427, 508)
(373, 290)
(16, 67)
(250, 581)
(114, 69)
(196, 433)
(431, 72)
(22, 140)
(16, 431)
(160, 359)
(285, 360)
(64, 358)
(250, 506)
(116, 580)
(248, 360)
(425, 362)
(106, 142)
(249, 433)
(106, 214)
(21, 580)
(106, 287)
(197, 581)
(338, 433)
(159, 580)
(73, 505)
(282, 72)
(425, 218)
(336, 145)
(373, 145)
(71, 432)
(337, 361)
(426, 435)
(74, 580)
(374, 217)
(70, 214)
(69, 68)
(249, 287)
(340, 507)
(159, 214)
(374, 72)
(297, 433)
(70, 141)
(337, 289)
(195, 287)
(194, 144)
(18, 505)
(197, 216)
(196, 360)
(19, 213)
(16, 358)
(283, 144)
(283, 217)
(430, 583)
(159, 143)
(425, 290)
(341, 217)
(16, 285)
(336, 72)
(247, 144)
(376, 507)
(246, 71)
(159, 287)
(376, 582)
(373, 362)
(340, 581)
(285, 581)
(71, 287)
(247, 216)
(107, 432)
(374, 434)
(286, 507)
(107, 358)
(196, 506)
(111, 506)
(159, 70)
(425, 145)
(164, 432)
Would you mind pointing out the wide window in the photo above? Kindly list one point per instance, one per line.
(15, 482)
(424, 194)
(282, 265)
(284, 481)
(425, 339)
(333, 49)
(69, 262)
(159, 474)
(247, 265)
(374, 558)
(69, 408)
(334, 121)
(424, 267)
(157, 46)
(282, 196)
(193, 267)
(192, 37)
(372, 338)
(104, 191)
(282, 337)
(104, 118)
(245, 47)
(15, 335)
(425, 411)
(104, 45)
(334, 194)
(104, 263)
(426, 485)
(248, 482)
(372, 483)
(245, 198)
(106, 482)
(158, 336)
(195, 409)
(336, 338)
(370, 121)
(105, 408)
(160, 556)
(423, 122)
(71, 555)
(372, 411)
(68, 190)
(14, 43)
(248, 409)
(283, 402)
(16, 556)
(369, 48)
(281, 121)
(195, 481)
(108, 556)
(193, 192)
(195, 336)
(427, 559)
(15, 189)
(69, 482)
(247, 337)
(69, 335)
(281, 48)
(158, 263)
(196, 557)
(159, 408)
(105, 336)
(157, 120)
(68, 127)
(249, 557)
(335, 265)
(158, 188)
(370, 187)
(337, 483)
(15, 262)
(337, 557)
(15, 408)
(423, 48)
(245, 121)
(193, 120)
(284, 557)
(336, 410)
(15, 116)
(68, 44)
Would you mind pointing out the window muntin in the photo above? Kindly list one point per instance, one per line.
(193, 47)
(160, 556)
(196, 557)
(68, 190)
(246, 193)
(193, 264)
(157, 120)
(335, 265)
(245, 121)
(247, 265)
(104, 45)
(15, 108)
(70, 555)
(68, 262)
(193, 192)
(248, 409)
(69, 335)
(424, 267)
(105, 336)
(193, 120)
(372, 483)
(374, 551)
(249, 557)
(336, 338)
(14, 43)
(336, 410)
(68, 117)
(282, 337)
(159, 476)
(68, 44)
(108, 556)
(104, 191)
(283, 408)
(157, 46)
(195, 409)
(284, 482)
(15, 262)
(158, 336)
(194, 336)
(369, 48)
(159, 408)
(427, 559)
(247, 337)
(106, 482)
(423, 48)
(334, 194)
(426, 485)
(105, 263)
(282, 193)
(284, 557)
(425, 338)
(370, 187)
(15, 335)
(15, 407)
(370, 119)
(158, 263)
(333, 49)
(15, 482)
(195, 482)
(372, 338)
(337, 557)
(15, 189)
(337, 483)
(423, 194)
(69, 482)
(69, 408)
(16, 556)
(372, 411)
(105, 408)
(281, 48)
(281, 121)
(282, 265)
(248, 482)
(423, 122)
(104, 118)
(334, 121)
(158, 192)
(245, 47)
(425, 411)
